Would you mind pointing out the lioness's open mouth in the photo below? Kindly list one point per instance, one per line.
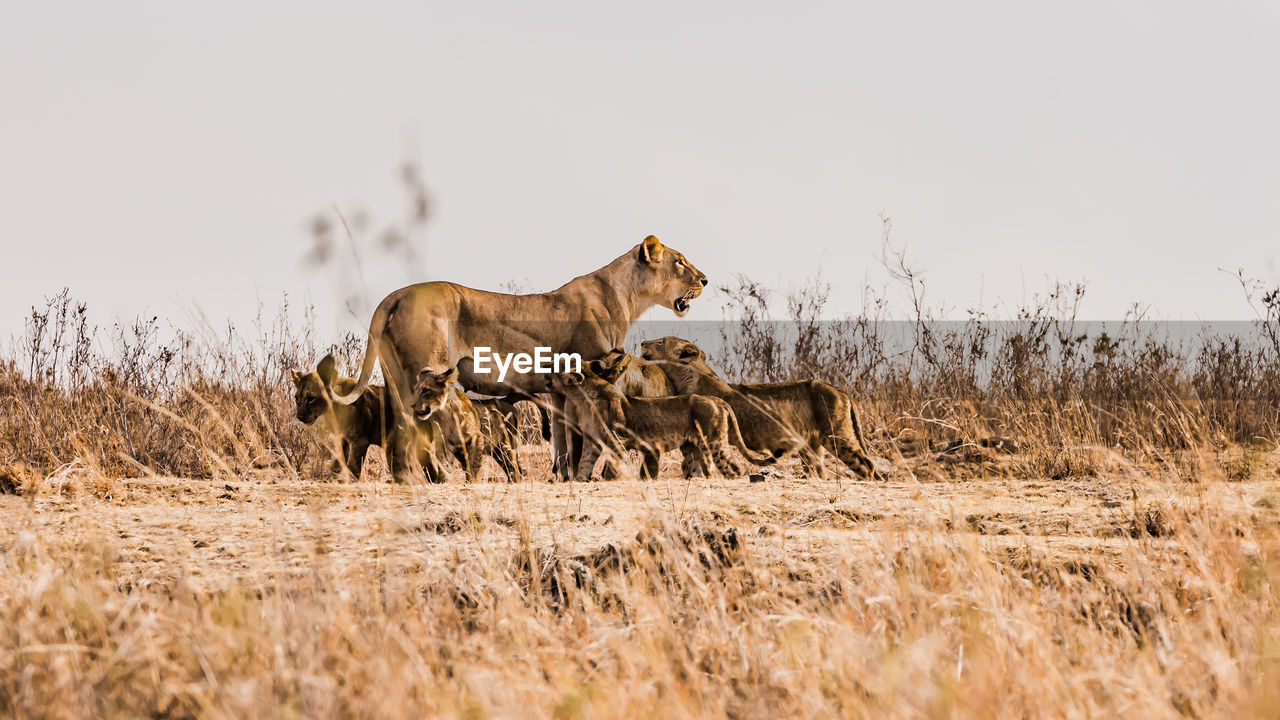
(681, 305)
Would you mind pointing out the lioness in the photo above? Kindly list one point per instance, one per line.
(650, 425)
(805, 416)
(437, 324)
(636, 378)
(353, 427)
(468, 430)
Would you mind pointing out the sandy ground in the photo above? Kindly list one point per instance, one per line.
(220, 533)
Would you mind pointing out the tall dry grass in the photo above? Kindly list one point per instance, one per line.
(904, 619)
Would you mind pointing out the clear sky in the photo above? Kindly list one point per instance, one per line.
(160, 156)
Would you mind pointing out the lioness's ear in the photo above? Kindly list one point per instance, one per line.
(650, 250)
(596, 366)
(573, 378)
(691, 351)
(297, 377)
(327, 370)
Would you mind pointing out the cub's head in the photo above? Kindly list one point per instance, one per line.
(431, 391)
(312, 390)
(611, 366)
(667, 276)
(672, 349)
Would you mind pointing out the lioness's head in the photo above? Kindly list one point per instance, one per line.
(611, 366)
(312, 392)
(667, 276)
(672, 349)
(431, 391)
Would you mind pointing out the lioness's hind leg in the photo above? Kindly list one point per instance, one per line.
(562, 450)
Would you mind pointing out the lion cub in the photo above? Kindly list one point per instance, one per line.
(466, 429)
(354, 427)
(806, 417)
(650, 425)
(637, 378)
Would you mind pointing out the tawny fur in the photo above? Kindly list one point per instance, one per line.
(805, 417)
(609, 422)
(468, 430)
(437, 324)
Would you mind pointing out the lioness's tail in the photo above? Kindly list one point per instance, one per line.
(376, 326)
(735, 438)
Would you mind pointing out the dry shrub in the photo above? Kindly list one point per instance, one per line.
(183, 404)
(1059, 387)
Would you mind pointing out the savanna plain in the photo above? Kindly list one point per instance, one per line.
(1070, 524)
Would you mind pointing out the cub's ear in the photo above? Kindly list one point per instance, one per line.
(447, 376)
(297, 376)
(596, 366)
(327, 370)
(573, 378)
(650, 250)
(424, 373)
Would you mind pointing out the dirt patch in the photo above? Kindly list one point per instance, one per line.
(456, 522)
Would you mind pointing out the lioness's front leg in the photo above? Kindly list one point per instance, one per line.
(405, 456)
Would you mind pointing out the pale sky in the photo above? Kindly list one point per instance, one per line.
(1132, 145)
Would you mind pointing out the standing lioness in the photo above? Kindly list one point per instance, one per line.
(437, 324)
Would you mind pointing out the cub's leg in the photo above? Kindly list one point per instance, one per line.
(715, 444)
(852, 454)
(355, 457)
(811, 461)
(434, 470)
(650, 458)
(507, 458)
(474, 453)
(338, 464)
(694, 462)
(609, 470)
(590, 453)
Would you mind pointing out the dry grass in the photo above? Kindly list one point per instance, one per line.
(168, 547)
(1112, 596)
